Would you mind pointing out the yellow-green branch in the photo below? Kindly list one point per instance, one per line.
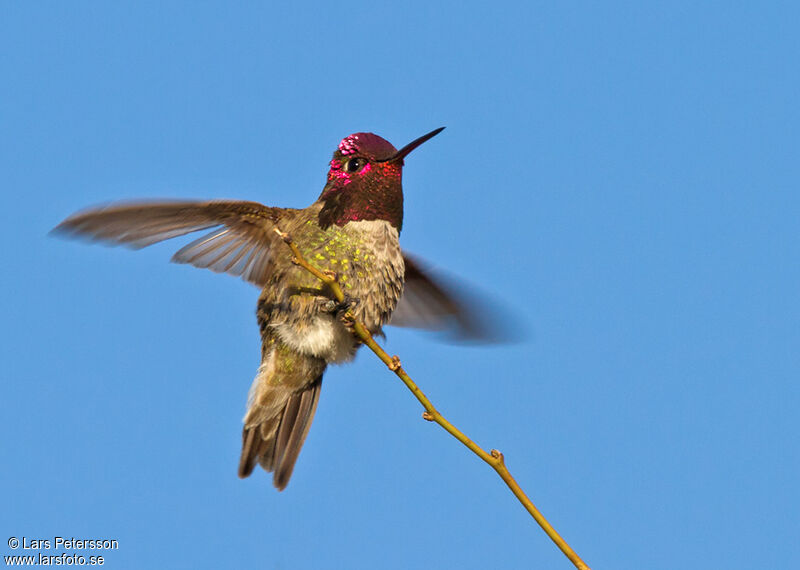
(494, 458)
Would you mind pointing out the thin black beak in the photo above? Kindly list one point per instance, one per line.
(403, 152)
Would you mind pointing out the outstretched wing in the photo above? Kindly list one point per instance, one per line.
(433, 304)
(240, 244)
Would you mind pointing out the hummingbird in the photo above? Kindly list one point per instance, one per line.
(352, 230)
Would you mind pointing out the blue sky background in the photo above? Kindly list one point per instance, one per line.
(624, 175)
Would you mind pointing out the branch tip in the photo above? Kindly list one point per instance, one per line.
(283, 235)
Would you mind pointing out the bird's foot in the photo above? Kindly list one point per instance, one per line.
(340, 310)
(344, 311)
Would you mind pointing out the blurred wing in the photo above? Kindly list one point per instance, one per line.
(434, 305)
(240, 244)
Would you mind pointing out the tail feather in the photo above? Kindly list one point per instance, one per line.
(283, 401)
(253, 447)
(292, 431)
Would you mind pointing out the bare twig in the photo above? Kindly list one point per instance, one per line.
(494, 458)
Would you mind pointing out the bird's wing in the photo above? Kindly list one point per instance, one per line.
(434, 304)
(239, 244)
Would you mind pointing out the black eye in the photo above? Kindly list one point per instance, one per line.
(354, 164)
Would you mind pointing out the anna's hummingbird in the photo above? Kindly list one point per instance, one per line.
(352, 229)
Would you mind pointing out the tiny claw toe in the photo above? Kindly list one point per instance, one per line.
(348, 304)
(345, 317)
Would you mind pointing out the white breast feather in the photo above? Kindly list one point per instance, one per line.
(323, 337)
